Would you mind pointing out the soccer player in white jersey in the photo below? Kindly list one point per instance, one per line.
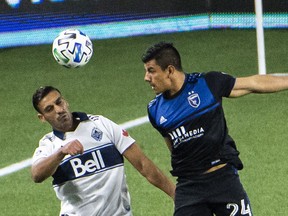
(84, 155)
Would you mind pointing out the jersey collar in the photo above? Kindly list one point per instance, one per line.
(77, 115)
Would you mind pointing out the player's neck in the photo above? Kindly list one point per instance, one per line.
(176, 84)
(75, 124)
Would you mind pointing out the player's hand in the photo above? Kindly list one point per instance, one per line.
(73, 148)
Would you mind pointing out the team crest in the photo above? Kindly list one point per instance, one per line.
(96, 134)
(194, 100)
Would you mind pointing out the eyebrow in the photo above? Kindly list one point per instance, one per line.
(151, 69)
(46, 109)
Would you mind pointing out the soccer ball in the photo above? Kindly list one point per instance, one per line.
(72, 48)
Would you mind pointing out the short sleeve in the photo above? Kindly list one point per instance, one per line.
(44, 150)
(118, 135)
(221, 84)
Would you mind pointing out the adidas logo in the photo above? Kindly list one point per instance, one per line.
(162, 120)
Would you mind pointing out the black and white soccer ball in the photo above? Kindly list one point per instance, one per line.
(72, 48)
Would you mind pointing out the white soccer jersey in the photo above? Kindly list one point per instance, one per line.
(92, 183)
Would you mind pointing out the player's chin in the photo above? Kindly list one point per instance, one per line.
(156, 91)
(65, 125)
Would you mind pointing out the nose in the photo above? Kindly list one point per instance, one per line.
(147, 77)
(59, 109)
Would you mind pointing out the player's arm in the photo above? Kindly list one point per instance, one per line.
(259, 84)
(46, 166)
(149, 170)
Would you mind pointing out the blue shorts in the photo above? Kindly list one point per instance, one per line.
(217, 193)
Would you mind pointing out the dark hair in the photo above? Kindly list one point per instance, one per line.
(40, 94)
(165, 54)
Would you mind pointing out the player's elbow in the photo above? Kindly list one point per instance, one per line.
(36, 176)
(37, 179)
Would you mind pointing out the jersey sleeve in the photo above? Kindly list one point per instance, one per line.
(43, 150)
(118, 135)
(220, 83)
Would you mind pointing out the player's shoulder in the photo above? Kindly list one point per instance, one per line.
(94, 117)
(155, 100)
(216, 74)
(97, 118)
(47, 138)
(195, 76)
(100, 120)
(210, 77)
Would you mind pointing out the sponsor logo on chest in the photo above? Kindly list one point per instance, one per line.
(81, 168)
(93, 161)
(180, 135)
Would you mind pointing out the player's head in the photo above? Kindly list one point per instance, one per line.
(164, 54)
(163, 68)
(40, 94)
(53, 108)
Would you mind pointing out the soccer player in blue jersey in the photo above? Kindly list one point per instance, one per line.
(187, 111)
(84, 155)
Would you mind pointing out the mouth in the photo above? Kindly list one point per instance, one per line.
(152, 86)
(63, 117)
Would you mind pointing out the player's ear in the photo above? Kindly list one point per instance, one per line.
(170, 69)
(41, 117)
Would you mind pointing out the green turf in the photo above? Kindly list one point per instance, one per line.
(112, 85)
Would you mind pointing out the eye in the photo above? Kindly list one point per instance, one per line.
(48, 109)
(59, 101)
(151, 70)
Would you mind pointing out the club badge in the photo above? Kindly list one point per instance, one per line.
(96, 134)
(194, 100)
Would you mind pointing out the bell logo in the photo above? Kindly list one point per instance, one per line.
(91, 165)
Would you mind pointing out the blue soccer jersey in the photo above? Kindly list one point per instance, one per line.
(193, 120)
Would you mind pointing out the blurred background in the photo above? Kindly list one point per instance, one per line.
(30, 22)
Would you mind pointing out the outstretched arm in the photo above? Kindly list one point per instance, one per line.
(45, 167)
(149, 170)
(259, 84)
